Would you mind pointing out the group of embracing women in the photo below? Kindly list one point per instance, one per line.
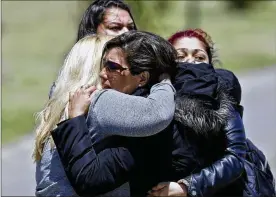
(133, 114)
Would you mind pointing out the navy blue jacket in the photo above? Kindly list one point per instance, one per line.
(191, 148)
(98, 169)
(143, 162)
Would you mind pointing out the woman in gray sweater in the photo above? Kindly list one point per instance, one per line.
(107, 114)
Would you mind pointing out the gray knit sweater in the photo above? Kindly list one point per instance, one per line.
(115, 113)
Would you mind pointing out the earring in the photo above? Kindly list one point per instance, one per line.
(139, 85)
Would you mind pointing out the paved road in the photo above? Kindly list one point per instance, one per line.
(259, 100)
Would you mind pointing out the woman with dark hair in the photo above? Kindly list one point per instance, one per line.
(205, 99)
(224, 162)
(104, 17)
(138, 162)
(128, 67)
(108, 17)
(202, 51)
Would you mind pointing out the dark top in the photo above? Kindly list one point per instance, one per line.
(190, 148)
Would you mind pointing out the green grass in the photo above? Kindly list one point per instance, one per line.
(37, 35)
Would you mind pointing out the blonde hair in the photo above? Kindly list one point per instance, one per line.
(81, 67)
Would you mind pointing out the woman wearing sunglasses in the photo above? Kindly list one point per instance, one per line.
(145, 114)
(142, 161)
(205, 99)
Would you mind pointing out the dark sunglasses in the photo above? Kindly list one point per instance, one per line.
(113, 66)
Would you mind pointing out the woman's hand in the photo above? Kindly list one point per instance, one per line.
(79, 101)
(168, 189)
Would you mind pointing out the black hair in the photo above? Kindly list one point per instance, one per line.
(94, 14)
(145, 51)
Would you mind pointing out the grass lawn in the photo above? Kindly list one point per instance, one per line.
(36, 35)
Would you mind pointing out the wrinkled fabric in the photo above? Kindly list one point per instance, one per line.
(50, 175)
(148, 161)
(218, 144)
(233, 87)
(198, 80)
(223, 164)
(158, 110)
(94, 169)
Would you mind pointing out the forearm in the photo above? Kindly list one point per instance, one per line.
(209, 180)
(88, 172)
(228, 168)
(183, 159)
(135, 116)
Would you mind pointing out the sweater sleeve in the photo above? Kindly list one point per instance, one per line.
(133, 116)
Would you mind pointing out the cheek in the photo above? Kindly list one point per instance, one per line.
(207, 61)
(116, 80)
(112, 33)
(113, 78)
(100, 29)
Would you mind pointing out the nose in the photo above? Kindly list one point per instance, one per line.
(190, 59)
(103, 74)
(124, 30)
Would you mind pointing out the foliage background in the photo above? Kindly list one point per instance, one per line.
(36, 35)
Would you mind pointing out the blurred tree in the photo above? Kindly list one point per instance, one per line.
(192, 14)
(240, 5)
(148, 13)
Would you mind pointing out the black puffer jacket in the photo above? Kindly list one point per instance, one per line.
(213, 131)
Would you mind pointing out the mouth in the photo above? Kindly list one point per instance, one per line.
(106, 87)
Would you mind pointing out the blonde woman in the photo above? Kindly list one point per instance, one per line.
(82, 68)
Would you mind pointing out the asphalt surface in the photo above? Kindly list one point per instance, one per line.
(259, 100)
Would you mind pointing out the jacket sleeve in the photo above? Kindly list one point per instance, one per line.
(90, 173)
(183, 160)
(227, 169)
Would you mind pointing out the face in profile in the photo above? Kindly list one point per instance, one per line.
(116, 21)
(191, 50)
(115, 73)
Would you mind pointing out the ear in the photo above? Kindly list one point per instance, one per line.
(144, 78)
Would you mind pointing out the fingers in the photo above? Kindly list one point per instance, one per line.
(155, 193)
(90, 89)
(85, 90)
(158, 189)
(160, 186)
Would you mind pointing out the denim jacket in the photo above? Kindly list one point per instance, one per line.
(51, 179)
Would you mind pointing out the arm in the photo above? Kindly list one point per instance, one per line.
(225, 170)
(183, 160)
(135, 116)
(88, 172)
